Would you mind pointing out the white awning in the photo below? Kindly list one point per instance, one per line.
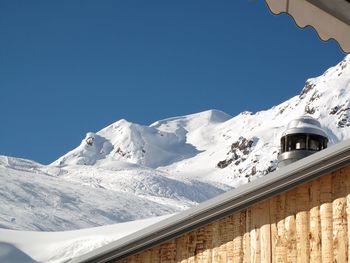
(330, 18)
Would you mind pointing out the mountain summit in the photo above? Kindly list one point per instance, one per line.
(129, 171)
(160, 144)
(197, 145)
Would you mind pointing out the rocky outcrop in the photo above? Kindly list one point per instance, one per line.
(307, 88)
(238, 152)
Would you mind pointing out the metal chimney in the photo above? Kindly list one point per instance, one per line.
(303, 137)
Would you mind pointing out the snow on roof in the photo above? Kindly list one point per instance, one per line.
(298, 173)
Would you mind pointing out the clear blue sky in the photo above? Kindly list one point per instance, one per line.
(69, 67)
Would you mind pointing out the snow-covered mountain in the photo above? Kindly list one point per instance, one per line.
(129, 171)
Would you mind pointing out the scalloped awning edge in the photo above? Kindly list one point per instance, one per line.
(305, 14)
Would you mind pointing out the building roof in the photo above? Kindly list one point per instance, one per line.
(331, 19)
(298, 173)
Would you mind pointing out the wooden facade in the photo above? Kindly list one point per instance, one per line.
(309, 223)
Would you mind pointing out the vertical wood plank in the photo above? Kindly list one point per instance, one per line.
(231, 232)
(315, 222)
(224, 238)
(290, 226)
(179, 241)
(278, 229)
(171, 251)
(246, 236)
(138, 258)
(239, 223)
(163, 253)
(302, 224)
(255, 235)
(326, 218)
(265, 232)
(132, 259)
(199, 246)
(155, 255)
(146, 257)
(181, 249)
(202, 249)
(191, 247)
(216, 242)
(340, 241)
(207, 254)
(274, 233)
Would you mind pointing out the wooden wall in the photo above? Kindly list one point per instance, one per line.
(310, 223)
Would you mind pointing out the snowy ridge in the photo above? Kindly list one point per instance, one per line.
(159, 144)
(128, 171)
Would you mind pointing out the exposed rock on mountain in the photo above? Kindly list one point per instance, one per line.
(129, 171)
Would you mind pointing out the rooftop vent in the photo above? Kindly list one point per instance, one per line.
(303, 137)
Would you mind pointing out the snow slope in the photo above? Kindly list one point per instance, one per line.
(55, 247)
(37, 201)
(128, 171)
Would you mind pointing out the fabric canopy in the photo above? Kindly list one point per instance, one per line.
(330, 18)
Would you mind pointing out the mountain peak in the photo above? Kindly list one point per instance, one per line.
(170, 141)
(171, 164)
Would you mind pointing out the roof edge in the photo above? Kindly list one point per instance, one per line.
(298, 173)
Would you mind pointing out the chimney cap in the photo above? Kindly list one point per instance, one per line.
(304, 125)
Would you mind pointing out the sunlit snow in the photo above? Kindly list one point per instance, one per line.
(128, 171)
